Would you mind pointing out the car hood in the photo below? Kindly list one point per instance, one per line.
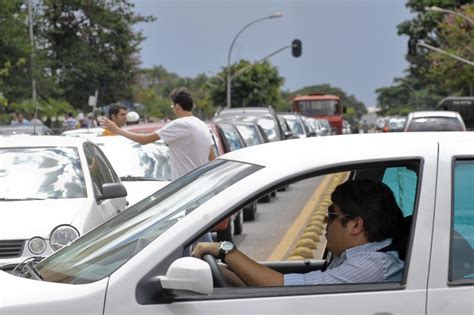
(21, 296)
(138, 190)
(25, 219)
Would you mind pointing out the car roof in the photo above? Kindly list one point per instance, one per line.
(434, 113)
(301, 153)
(244, 111)
(116, 140)
(41, 141)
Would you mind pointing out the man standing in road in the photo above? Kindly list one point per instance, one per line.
(118, 114)
(188, 137)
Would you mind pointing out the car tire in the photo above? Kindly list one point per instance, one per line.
(239, 223)
(284, 188)
(266, 198)
(250, 212)
(227, 234)
(273, 194)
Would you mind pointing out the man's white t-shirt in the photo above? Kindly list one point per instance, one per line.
(189, 141)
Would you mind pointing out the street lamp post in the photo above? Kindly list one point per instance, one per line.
(438, 9)
(229, 79)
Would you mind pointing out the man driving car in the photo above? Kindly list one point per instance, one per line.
(362, 223)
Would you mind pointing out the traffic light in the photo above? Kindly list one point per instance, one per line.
(296, 48)
(412, 46)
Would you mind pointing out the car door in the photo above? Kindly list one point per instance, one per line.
(451, 278)
(407, 297)
(101, 173)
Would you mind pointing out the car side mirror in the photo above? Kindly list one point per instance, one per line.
(188, 274)
(288, 135)
(112, 190)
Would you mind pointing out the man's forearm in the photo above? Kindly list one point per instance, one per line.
(139, 137)
(251, 272)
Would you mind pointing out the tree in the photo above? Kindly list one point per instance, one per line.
(258, 86)
(456, 36)
(427, 75)
(86, 45)
(15, 48)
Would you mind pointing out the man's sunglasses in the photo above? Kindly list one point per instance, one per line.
(332, 215)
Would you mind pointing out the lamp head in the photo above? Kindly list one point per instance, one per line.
(275, 15)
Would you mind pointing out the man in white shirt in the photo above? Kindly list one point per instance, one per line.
(188, 137)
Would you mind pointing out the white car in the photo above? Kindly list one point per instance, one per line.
(133, 263)
(52, 190)
(88, 133)
(143, 169)
(434, 121)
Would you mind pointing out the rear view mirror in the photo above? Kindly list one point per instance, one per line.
(288, 135)
(112, 190)
(188, 274)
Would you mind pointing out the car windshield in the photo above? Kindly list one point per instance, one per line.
(319, 108)
(150, 161)
(435, 124)
(41, 173)
(103, 250)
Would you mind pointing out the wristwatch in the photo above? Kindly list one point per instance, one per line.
(225, 248)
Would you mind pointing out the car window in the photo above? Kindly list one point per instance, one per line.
(100, 169)
(435, 124)
(232, 137)
(51, 173)
(302, 220)
(249, 134)
(296, 126)
(126, 234)
(269, 127)
(462, 234)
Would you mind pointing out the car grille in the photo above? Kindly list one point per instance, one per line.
(11, 248)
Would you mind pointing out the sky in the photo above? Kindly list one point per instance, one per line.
(350, 44)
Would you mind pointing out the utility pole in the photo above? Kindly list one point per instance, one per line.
(32, 59)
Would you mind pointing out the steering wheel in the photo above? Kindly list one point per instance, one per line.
(217, 275)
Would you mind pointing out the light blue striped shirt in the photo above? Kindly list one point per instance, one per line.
(361, 264)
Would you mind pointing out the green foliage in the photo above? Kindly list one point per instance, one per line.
(456, 36)
(355, 108)
(432, 76)
(87, 45)
(15, 48)
(257, 85)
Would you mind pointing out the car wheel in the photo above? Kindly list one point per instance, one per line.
(273, 194)
(284, 188)
(239, 223)
(250, 212)
(266, 198)
(227, 234)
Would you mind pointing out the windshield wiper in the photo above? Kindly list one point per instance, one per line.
(31, 269)
(20, 199)
(29, 266)
(131, 178)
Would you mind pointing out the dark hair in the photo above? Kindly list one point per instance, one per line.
(115, 108)
(182, 96)
(374, 203)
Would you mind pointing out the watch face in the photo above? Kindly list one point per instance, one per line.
(227, 246)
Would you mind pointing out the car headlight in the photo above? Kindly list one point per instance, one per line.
(62, 236)
(37, 245)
